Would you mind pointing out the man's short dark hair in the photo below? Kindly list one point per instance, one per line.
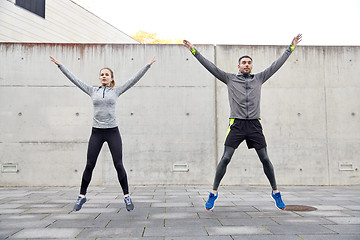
(244, 57)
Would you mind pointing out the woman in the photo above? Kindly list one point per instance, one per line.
(105, 128)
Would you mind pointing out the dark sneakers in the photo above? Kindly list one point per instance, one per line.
(278, 201)
(129, 204)
(79, 203)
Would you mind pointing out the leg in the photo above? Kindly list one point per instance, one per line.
(115, 146)
(221, 168)
(234, 137)
(94, 147)
(220, 172)
(268, 167)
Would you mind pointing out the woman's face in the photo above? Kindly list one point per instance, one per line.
(105, 77)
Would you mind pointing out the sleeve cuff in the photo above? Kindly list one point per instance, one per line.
(193, 51)
(292, 47)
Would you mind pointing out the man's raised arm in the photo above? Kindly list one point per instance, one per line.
(218, 73)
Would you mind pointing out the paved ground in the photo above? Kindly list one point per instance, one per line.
(177, 212)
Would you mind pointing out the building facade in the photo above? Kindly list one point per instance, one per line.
(50, 21)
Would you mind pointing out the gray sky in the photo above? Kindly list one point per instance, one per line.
(264, 22)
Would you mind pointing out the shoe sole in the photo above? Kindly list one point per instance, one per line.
(210, 208)
(129, 210)
(276, 205)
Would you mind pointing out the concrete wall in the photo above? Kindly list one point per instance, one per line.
(64, 22)
(178, 114)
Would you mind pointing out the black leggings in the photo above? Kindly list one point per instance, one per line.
(225, 160)
(97, 139)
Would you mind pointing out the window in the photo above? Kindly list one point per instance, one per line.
(34, 6)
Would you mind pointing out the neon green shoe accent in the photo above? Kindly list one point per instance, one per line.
(292, 47)
(193, 51)
(230, 123)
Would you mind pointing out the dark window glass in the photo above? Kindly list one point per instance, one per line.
(35, 6)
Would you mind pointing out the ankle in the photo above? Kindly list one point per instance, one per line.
(214, 192)
(275, 191)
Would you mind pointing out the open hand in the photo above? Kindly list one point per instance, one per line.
(152, 61)
(54, 60)
(188, 44)
(296, 40)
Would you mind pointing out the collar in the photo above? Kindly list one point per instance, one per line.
(245, 75)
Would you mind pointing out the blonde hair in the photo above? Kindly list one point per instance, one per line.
(112, 83)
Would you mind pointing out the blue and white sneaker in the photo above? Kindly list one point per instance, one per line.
(278, 201)
(209, 205)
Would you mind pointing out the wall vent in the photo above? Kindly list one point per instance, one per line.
(180, 167)
(346, 166)
(9, 168)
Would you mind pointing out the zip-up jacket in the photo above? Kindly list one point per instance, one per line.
(244, 90)
(104, 97)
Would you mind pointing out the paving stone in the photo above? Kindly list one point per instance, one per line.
(27, 217)
(324, 214)
(48, 233)
(352, 213)
(277, 213)
(71, 216)
(46, 210)
(236, 230)
(299, 229)
(175, 215)
(220, 214)
(344, 229)
(84, 223)
(193, 231)
(178, 205)
(116, 233)
(9, 206)
(191, 222)
(352, 207)
(131, 238)
(5, 233)
(300, 220)
(85, 210)
(330, 237)
(247, 221)
(200, 238)
(329, 208)
(345, 220)
(24, 223)
(12, 210)
(267, 237)
(124, 223)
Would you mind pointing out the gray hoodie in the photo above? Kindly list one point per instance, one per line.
(104, 97)
(244, 90)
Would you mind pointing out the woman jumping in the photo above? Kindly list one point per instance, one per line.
(105, 128)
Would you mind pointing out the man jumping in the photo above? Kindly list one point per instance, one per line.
(244, 90)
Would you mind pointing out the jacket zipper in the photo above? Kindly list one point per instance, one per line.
(104, 92)
(247, 98)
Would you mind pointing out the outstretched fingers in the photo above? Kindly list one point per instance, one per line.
(296, 40)
(188, 44)
(152, 61)
(54, 60)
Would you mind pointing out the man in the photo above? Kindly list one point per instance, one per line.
(244, 90)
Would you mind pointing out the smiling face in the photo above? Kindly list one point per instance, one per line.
(106, 76)
(245, 65)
